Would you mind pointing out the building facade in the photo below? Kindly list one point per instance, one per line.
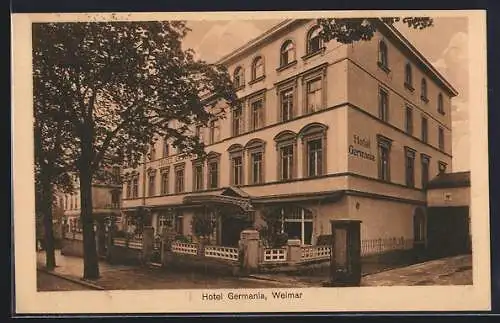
(325, 131)
(106, 208)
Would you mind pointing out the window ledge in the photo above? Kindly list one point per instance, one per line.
(425, 99)
(242, 86)
(286, 66)
(312, 54)
(409, 87)
(383, 67)
(260, 78)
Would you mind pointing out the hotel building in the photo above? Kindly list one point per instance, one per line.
(325, 131)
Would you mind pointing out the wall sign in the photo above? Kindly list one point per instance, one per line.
(359, 147)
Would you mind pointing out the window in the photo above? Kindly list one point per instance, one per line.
(152, 152)
(297, 223)
(165, 148)
(383, 102)
(239, 77)
(287, 53)
(115, 199)
(135, 187)
(179, 222)
(408, 77)
(257, 110)
(128, 189)
(165, 220)
(179, 179)
(198, 132)
(237, 121)
(214, 131)
(257, 161)
(440, 106)
(258, 68)
(315, 157)
(441, 138)
(314, 95)
(115, 173)
(237, 170)
(286, 157)
(425, 169)
(409, 120)
(383, 59)
(423, 90)
(198, 177)
(384, 149)
(71, 202)
(419, 226)
(255, 149)
(151, 182)
(410, 166)
(213, 171)
(442, 167)
(286, 104)
(424, 129)
(165, 181)
(314, 42)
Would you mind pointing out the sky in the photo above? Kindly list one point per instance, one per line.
(445, 45)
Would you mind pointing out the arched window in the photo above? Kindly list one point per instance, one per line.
(423, 89)
(314, 144)
(383, 59)
(314, 42)
(287, 53)
(239, 77)
(286, 146)
(255, 151)
(236, 159)
(408, 76)
(440, 103)
(257, 68)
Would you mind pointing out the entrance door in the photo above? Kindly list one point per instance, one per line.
(231, 228)
(448, 231)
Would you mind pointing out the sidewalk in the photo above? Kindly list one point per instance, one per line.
(447, 271)
(119, 277)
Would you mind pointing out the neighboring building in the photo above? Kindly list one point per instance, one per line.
(106, 202)
(326, 131)
(448, 219)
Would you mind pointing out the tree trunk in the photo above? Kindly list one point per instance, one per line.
(50, 257)
(90, 259)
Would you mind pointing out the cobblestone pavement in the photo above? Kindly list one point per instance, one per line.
(447, 271)
(115, 277)
(47, 282)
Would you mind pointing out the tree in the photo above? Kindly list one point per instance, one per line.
(119, 85)
(350, 30)
(271, 232)
(52, 150)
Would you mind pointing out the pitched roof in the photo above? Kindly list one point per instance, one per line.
(450, 180)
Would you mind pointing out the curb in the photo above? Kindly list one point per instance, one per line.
(71, 279)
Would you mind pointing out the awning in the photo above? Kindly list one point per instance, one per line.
(330, 196)
(243, 203)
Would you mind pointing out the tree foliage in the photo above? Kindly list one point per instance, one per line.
(271, 233)
(350, 30)
(115, 87)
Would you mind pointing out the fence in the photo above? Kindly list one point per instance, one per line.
(220, 252)
(380, 246)
(275, 255)
(314, 253)
(185, 248)
(132, 244)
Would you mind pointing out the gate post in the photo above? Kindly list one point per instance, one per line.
(249, 250)
(147, 244)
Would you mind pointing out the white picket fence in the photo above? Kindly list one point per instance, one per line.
(185, 248)
(132, 244)
(226, 253)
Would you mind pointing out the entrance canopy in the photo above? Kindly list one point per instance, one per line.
(229, 196)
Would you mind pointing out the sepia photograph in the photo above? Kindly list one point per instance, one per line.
(248, 162)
